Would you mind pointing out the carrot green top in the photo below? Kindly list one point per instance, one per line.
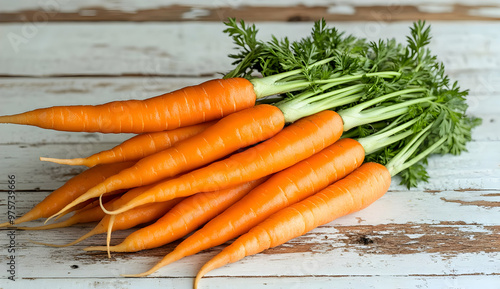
(399, 93)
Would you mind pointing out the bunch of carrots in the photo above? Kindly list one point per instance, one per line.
(297, 135)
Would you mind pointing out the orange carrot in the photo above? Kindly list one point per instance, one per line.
(204, 102)
(296, 142)
(231, 133)
(353, 193)
(73, 188)
(137, 147)
(281, 190)
(89, 214)
(128, 219)
(182, 219)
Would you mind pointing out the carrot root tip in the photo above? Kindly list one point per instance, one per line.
(71, 162)
(6, 224)
(136, 275)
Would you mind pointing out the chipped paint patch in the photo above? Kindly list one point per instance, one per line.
(446, 238)
(342, 9)
(434, 8)
(491, 12)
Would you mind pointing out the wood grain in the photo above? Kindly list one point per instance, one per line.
(166, 49)
(221, 10)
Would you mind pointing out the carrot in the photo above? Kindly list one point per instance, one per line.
(281, 190)
(182, 219)
(356, 191)
(73, 188)
(89, 214)
(204, 102)
(296, 142)
(231, 133)
(128, 219)
(137, 147)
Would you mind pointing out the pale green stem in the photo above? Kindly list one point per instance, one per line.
(384, 138)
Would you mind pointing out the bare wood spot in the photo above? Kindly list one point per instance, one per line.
(446, 238)
(480, 203)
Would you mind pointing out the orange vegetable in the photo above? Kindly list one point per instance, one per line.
(137, 147)
(128, 219)
(73, 188)
(231, 133)
(91, 213)
(204, 102)
(281, 190)
(182, 219)
(296, 142)
(353, 193)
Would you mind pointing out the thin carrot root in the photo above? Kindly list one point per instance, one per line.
(62, 224)
(115, 248)
(217, 263)
(124, 208)
(97, 191)
(14, 119)
(6, 224)
(62, 214)
(71, 162)
(108, 237)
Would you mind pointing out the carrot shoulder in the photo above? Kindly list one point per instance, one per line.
(137, 147)
(296, 142)
(353, 193)
(204, 102)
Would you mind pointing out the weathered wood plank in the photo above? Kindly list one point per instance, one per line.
(428, 236)
(379, 11)
(153, 49)
(469, 208)
(295, 282)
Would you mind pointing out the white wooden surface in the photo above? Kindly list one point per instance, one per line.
(443, 234)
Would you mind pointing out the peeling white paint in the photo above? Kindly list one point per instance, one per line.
(486, 12)
(414, 236)
(195, 13)
(435, 8)
(342, 9)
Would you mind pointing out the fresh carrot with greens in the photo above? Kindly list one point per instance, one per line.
(350, 194)
(137, 147)
(229, 134)
(182, 219)
(191, 105)
(73, 188)
(354, 192)
(281, 190)
(294, 143)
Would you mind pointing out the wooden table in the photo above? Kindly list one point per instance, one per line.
(443, 234)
